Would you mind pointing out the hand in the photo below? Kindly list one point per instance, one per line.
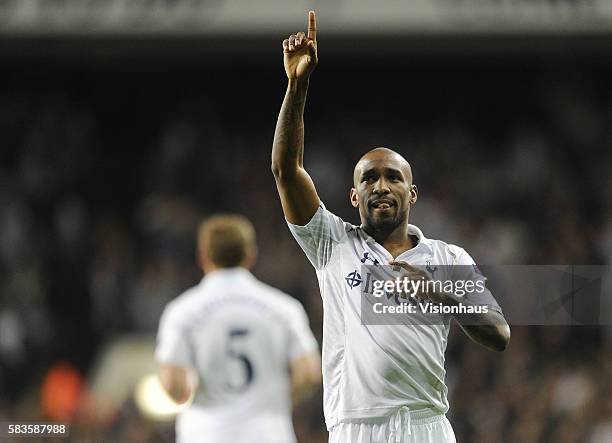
(300, 51)
(423, 294)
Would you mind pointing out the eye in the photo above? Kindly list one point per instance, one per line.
(368, 179)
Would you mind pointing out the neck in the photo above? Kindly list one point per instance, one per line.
(210, 267)
(395, 239)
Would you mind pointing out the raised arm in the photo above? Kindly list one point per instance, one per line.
(297, 191)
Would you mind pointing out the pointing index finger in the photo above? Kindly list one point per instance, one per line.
(312, 26)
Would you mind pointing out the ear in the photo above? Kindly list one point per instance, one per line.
(414, 194)
(354, 198)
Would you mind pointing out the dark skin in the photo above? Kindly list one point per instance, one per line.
(383, 192)
(382, 185)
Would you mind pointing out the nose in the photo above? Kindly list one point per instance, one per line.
(381, 187)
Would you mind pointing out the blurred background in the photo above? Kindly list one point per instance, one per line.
(123, 123)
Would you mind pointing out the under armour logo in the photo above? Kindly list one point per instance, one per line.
(366, 258)
(353, 279)
(431, 269)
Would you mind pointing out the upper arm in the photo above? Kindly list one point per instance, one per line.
(465, 269)
(298, 195)
(173, 346)
(173, 353)
(304, 357)
(490, 329)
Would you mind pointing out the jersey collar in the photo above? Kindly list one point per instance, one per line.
(424, 242)
(230, 273)
(414, 230)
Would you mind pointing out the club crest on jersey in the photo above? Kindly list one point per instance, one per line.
(366, 257)
(353, 279)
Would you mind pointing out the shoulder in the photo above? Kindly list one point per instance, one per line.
(454, 251)
(282, 307)
(339, 227)
(184, 304)
(277, 299)
(450, 253)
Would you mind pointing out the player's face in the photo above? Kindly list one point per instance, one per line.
(383, 190)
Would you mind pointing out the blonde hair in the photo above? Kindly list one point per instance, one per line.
(226, 239)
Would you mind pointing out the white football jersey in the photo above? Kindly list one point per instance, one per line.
(239, 336)
(370, 371)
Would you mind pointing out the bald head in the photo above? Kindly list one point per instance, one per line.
(383, 190)
(384, 156)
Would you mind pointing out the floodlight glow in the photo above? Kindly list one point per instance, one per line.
(153, 401)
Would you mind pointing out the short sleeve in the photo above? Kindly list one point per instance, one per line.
(301, 340)
(172, 341)
(466, 270)
(318, 237)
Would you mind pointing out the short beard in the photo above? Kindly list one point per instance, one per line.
(382, 226)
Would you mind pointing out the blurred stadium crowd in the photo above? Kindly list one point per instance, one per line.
(106, 171)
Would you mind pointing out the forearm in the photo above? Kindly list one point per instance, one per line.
(490, 329)
(179, 394)
(288, 145)
(295, 187)
(299, 393)
(305, 377)
(179, 383)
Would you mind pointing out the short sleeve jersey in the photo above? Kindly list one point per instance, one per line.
(239, 336)
(370, 371)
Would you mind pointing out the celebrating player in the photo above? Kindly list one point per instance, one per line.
(240, 348)
(381, 383)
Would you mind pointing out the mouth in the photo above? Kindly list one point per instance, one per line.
(382, 204)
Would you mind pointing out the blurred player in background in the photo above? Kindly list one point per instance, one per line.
(242, 349)
(381, 383)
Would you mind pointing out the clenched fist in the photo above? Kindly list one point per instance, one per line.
(300, 51)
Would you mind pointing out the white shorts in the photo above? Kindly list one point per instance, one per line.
(401, 427)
